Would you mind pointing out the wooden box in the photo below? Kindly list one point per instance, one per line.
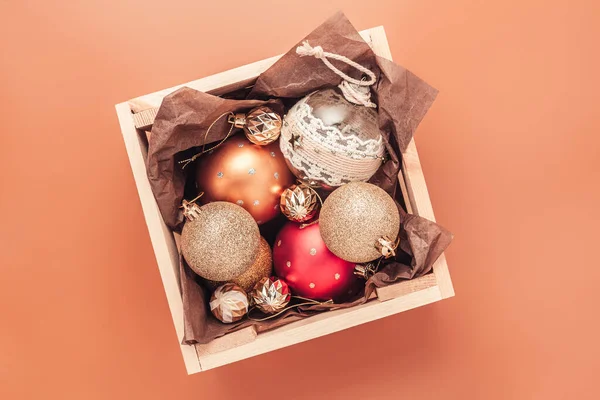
(136, 116)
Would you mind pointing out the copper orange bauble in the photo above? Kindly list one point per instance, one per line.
(249, 175)
(303, 261)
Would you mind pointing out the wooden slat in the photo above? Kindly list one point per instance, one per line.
(404, 190)
(321, 325)
(144, 119)
(231, 340)
(163, 243)
(421, 204)
(414, 178)
(405, 287)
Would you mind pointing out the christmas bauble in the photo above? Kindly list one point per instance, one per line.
(271, 295)
(299, 203)
(246, 174)
(262, 125)
(261, 268)
(303, 261)
(229, 303)
(358, 220)
(219, 241)
(328, 141)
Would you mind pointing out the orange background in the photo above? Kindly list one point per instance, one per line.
(510, 150)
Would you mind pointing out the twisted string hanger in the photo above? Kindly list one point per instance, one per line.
(354, 90)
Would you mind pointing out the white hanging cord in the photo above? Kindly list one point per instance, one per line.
(356, 94)
(352, 89)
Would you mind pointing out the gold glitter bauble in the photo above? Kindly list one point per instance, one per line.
(262, 126)
(220, 243)
(299, 203)
(271, 295)
(261, 268)
(353, 219)
(229, 303)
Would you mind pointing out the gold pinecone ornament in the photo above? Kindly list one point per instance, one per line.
(299, 203)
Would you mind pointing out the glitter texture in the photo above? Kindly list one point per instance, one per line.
(261, 268)
(222, 243)
(354, 217)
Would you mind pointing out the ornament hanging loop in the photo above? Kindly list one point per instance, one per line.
(188, 161)
(354, 90)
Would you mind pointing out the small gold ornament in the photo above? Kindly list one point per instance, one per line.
(261, 125)
(271, 295)
(229, 303)
(299, 203)
(219, 240)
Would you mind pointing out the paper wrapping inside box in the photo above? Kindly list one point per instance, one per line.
(184, 116)
(422, 241)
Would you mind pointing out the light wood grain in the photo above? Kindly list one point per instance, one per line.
(163, 243)
(406, 287)
(245, 343)
(321, 325)
(416, 187)
(421, 204)
(231, 340)
(404, 190)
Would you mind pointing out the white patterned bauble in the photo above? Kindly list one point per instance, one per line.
(328, 141)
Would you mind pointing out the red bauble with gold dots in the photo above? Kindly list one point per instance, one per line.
(303, 261)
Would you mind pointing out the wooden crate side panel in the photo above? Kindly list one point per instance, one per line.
(414, 179)
(165, 250)
(320, 325)
(421, 204)
(406, 287)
